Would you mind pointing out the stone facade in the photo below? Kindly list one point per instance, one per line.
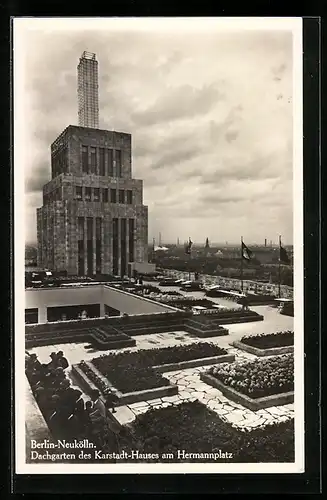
(91, 193)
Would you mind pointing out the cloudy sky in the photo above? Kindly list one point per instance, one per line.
(209, 110)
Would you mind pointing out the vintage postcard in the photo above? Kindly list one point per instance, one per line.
(158, 245)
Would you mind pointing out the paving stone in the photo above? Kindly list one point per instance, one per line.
(154, 401)
(231, 417)
(289, 406)
(124, 415)
(275, 411)
(284, 418)
(238, 413)
(198, 394)
(171, 399)
(261, 412)
(140, 404)
(139, 411)
(185, 394)
(228, 407)
(221, 411)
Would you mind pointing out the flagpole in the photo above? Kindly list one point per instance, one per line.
(279, 268)
(189, 264)
(242, 263)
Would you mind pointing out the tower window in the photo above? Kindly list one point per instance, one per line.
(85, 160)
(93, 161)
(78, 193)
(113, 196)
(121, 196)
(88, 193)
(130, 197)
(105, 195)
(96, 194)
(102, 162)
(110, 163)
(118, 162)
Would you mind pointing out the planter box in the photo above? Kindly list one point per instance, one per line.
(273, 351)
(151, 329)
(246, 401)
(86, 384)
(205, 332)
(126, 397)
(105, 345)
(243, 319)
(192, 363)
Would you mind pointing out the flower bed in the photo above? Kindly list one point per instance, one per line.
(135, 371)
(259, 378)
(192, 428)
(166, 355)
(124, 377)
(270, 340)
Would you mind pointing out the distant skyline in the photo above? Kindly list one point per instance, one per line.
(209, 110)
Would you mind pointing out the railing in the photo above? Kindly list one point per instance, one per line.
(208, 280)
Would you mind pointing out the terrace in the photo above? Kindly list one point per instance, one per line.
(175, 377)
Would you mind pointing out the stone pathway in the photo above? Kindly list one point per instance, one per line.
(192, 388)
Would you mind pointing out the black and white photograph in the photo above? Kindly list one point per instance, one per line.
(159, 245)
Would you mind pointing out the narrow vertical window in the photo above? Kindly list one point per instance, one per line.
(121, 196)
(118, 162)
(105, 195)
(93, 161)
(130, 197)
(113, 196)
(102, 167)
(96, 194)
(85, 160)
(110, 163)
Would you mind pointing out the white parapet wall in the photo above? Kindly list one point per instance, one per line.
(124, 302)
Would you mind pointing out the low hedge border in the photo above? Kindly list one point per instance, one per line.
(243, 319)
(182, 365)
(246, 401)
(272, 351)
(123, 398)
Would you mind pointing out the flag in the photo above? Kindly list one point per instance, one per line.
(246, 252)
(188, 247)
(283, 257)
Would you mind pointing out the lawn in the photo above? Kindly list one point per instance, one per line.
(192, 428)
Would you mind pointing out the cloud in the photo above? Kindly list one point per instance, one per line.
(179, 103)
(210, 139)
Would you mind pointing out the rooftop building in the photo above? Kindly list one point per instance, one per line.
(93, 220)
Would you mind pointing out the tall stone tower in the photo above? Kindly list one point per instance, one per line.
(93, 220)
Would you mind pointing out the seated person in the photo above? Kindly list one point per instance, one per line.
(61, 360)
(99, 410)
(53, 362)
(31, 362)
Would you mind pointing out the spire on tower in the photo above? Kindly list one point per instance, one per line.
(88, 91)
